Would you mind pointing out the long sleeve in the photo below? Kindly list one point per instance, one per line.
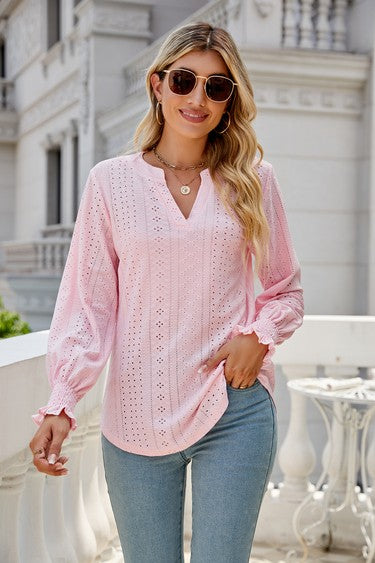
(84, 320)
(279, 309)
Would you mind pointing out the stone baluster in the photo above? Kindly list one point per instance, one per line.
(92, 498)
(370, 461)
(306, 26)
(57, 538)
(32, 545)
(297, 456)
(108, 554)
(39, 256)
(290, 36)
(339, 25)
(77, 524)
(323, 28)
(336, 463)
(12, 484)
(48, 256)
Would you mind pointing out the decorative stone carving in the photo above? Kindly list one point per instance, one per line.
(24, 37)
(264, 7)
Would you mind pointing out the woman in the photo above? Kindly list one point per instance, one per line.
(160, 273)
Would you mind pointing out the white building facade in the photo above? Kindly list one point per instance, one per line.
(73, 91)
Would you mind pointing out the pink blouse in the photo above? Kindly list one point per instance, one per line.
(159, 294)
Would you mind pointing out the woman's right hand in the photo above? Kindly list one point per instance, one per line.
(46, 444)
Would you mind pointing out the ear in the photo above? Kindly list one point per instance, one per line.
(157, 85)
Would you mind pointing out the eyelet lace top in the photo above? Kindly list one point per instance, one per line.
(159, 294)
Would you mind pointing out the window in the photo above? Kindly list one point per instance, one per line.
(75, 176)
(53, 22)
(2, 58)
(54, 184)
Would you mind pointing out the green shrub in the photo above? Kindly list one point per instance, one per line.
(11, 323)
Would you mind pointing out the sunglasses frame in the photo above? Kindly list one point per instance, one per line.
(205, 78)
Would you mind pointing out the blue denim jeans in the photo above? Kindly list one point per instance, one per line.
(230, 470)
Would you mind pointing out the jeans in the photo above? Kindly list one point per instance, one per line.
(230, 470)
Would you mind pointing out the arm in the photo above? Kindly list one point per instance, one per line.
(279, 308)
(84, 320)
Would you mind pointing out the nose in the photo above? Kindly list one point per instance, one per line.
(198, 94)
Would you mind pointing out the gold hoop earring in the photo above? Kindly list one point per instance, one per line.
(227, 127)
(158, 107)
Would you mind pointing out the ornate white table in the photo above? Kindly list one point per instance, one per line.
(352, 407)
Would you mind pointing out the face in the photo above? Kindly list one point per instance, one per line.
(193, 115)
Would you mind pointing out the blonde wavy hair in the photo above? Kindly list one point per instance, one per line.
(230, 156)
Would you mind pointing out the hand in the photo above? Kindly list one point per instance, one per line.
(47, 441)
(243, 356)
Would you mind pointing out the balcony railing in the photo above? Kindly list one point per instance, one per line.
(69, 519)
(43, 256)
(304, 24)
(315, 24)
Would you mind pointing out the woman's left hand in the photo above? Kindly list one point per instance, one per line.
(243, 356)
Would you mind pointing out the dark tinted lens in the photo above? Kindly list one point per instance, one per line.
(181, 82)
(219, 88)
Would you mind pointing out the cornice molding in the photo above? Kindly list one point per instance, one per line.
(60, 98)
(307, 67)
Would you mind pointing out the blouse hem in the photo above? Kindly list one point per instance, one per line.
(154, 452)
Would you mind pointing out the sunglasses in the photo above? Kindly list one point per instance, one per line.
(182, 82)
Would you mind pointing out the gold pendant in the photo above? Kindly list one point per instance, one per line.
(185, 190)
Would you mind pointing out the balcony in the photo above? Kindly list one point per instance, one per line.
(69, 519)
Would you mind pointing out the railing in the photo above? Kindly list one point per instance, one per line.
(303, 24)
(338, 346)
(46, 255)
(69, 519)
(58, 231)
(42, 518)
(315, 24)
(6, 94)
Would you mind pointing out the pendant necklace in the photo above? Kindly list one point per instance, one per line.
(184, 189)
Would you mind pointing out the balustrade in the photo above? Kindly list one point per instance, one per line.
(70, 518)
(39, 256)
(315, 24)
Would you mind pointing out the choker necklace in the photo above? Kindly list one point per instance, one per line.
(173, 166)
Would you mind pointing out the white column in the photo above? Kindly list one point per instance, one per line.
(297, 456)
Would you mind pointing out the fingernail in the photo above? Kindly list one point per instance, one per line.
(52, 459)
(202, 369)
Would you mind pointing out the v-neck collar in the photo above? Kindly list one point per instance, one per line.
(171, 204)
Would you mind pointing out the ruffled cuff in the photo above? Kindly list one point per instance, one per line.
(62, 398)
(266, 332)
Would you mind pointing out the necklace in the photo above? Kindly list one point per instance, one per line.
(185, 189)
(174, 166)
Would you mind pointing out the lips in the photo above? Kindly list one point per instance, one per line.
(193, 116)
